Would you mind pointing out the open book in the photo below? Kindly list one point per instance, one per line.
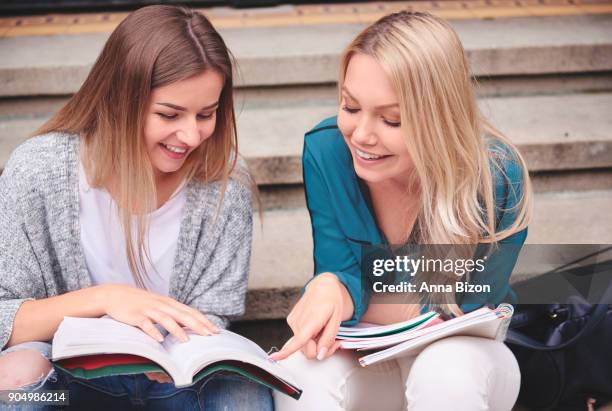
(96, 347)
(410, 337)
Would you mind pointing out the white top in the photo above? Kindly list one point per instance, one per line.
(103, 240)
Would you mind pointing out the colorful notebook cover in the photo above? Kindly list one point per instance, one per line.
(104, 365)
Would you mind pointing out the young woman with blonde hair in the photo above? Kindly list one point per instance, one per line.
(131, 203)
(409, 159)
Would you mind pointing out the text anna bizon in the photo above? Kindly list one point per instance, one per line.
(407, 287)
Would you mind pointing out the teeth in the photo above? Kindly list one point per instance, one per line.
(367, 156)
(175, 149)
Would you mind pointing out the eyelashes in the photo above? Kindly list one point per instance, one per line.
(175, 116)
(393, 124)
(350, 110)
(167, 116)
(389, 123)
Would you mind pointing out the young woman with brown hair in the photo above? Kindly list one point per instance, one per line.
(131, 203)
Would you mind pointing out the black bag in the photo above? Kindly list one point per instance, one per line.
(564, 351)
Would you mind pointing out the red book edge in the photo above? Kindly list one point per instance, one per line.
(93, 362)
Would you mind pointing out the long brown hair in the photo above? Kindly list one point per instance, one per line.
(154, 46)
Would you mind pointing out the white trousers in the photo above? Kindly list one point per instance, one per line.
(456, 373)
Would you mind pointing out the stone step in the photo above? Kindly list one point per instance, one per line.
(282, 247)
(285, 196)
(289, 55)
(554, 133)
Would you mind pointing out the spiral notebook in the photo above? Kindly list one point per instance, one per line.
(411, 337)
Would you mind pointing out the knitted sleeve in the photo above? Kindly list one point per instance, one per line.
(20, 273)
(223, 258)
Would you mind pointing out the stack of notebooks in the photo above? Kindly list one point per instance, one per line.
(411, 337)
(98, 347)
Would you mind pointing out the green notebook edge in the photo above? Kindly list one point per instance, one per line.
(397, 331)
(111, 370)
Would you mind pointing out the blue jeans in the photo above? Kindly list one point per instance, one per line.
(127, 392)
(219, 392)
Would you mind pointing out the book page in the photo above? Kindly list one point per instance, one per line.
(485, 327)
(392, 339)
(86, 336)
(201, 351)
(479, 323)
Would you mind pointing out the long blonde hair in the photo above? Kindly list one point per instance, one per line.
(450, 142)
(154, 46)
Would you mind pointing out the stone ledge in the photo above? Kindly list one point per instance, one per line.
(282, 246)
(55, 65)
(561, 132)
(270, 304)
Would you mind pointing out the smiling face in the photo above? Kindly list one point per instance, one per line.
(181, 116)
(369, 119)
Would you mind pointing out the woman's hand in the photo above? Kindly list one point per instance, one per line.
(143, 309)
(160, 377)
(316, 317)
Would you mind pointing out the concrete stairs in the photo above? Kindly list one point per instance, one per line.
(546, 82)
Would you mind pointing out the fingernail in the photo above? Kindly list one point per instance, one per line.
(159, 337)
(184, 338)
(322, 353)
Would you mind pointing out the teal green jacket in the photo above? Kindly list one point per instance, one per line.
(343, 221)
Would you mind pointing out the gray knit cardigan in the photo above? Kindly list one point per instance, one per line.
(40, 247)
